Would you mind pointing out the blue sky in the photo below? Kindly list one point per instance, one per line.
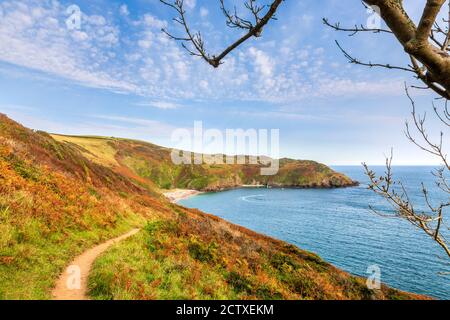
(120, 76)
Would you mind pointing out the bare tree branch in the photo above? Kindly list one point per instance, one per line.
(356, 29)
(419, 122)
(427, 44)
(431, 221)
(370, 64)
(193, 41)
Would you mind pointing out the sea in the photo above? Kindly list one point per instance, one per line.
(339, 226)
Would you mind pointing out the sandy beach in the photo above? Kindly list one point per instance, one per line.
(176, 195)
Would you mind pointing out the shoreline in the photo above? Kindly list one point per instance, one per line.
(176, 195)
(276, 186)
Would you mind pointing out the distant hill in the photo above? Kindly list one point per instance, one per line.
(60, 196)
(142, 161)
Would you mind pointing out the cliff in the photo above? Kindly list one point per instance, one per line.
(59, 198)
(146, 162)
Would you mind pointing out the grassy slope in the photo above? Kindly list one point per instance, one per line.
(151, 162)
(54, 204)
(201, 257)
(57, 199)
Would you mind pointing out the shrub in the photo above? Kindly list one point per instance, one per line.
(25, 171)
(282, 262)
(201, 251)
(199, 183)
(156, 229)
(161, 226)
(239, 283)
(100, 285)
(265, 293)
(94, 193)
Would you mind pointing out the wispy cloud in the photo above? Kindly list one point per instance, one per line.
(152, 128)
(15, 107)
(160, 105)
(34, 35)
(139, 59)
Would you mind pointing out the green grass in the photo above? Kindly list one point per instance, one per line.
(55, 203)
(137, 268)
(96, 149)
(163, 263)
(153, 163)
(32, 256)
(169, 259)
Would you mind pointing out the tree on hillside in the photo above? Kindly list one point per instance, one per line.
(427, 46)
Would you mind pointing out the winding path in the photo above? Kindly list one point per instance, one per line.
(72, 284)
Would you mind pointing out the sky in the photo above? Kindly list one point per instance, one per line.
(119, 75)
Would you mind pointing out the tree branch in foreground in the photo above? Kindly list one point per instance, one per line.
(432, 220)
(427, 44)
(193, 41)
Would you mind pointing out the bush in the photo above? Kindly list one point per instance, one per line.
(201, 251)
(156, 228)
(239, 283)
(266, 293)
(100, 285)
(199, 183)
(282, 262)
(25, 171)
(161, 226)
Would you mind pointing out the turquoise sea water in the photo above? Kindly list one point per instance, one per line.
(338, 225)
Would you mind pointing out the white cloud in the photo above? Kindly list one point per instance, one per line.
(15, 107)
(124, 10)
(139, 127)
(204, 12)
(97, 20)
(306, 20)
(100, 125)
(190, 4)
(203, 84)
(262, 61)
(36, 37)
(153, 22)
(146, 41)
(160, 105)
(342, 87)
(143, 61)
(133, 57)
(79, 35)
(319, 51)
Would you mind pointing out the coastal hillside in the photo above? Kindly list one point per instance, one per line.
(148, 163)
(59, 198)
